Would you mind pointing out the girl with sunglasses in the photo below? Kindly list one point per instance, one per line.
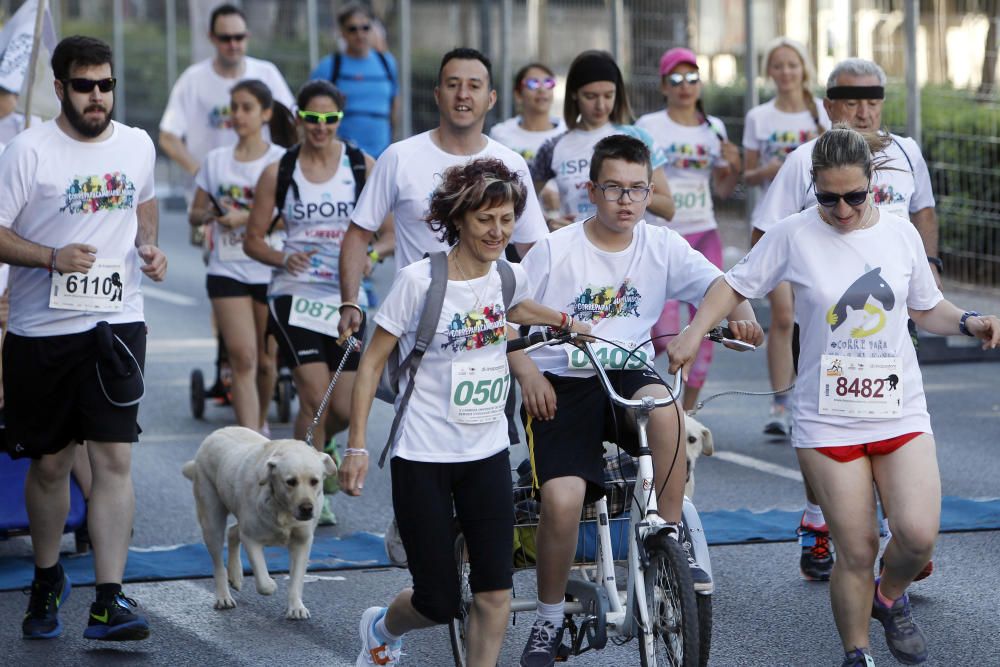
(237, 284)
(534, 85)
(596, 106)
(772, 131)
(859, 412)
(698, 159)
(304, 294)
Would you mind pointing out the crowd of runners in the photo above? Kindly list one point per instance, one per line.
(590, 221)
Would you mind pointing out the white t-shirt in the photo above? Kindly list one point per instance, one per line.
(316, 221)
(852, 292)
(403, 180)
(58, 191)
(566, 158)
(522, 141)
(898, 188)
(620, 294)
(774, 133)
(12, 125)
(690, 154)
(198, 107)
(232, 184)
(471, 336)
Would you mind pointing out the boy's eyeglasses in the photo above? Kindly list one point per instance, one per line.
(534, 84)
(615, 192)
(318, 117)
(359, 28)
(87, 85)
(677, 78)
(830, 199)
(235, 37)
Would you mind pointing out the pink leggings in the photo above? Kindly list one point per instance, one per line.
(709, 244)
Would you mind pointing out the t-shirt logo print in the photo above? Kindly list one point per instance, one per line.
(91, 194)
(885, 194)
(870, 285)
(220, 118)
(596, 303)
(477, 329)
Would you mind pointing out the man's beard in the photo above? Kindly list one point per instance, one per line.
(88, 128)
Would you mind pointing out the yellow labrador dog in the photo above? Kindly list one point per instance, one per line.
(274, 488)
(699, 441)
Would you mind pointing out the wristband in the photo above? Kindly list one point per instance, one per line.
(961, 323)
(351, 451)
(52, 261)
(936, 261)
(563, 321)
(351, 304)
(374, 256)
(284, 262)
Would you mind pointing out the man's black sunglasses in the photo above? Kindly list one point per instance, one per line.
(359, 28)
(235, 37)
(87, 85)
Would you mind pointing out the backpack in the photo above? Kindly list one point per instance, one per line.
(388, 386)
(286, 170)
(338, 61)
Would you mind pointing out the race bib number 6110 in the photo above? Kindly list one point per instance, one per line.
(100, 290)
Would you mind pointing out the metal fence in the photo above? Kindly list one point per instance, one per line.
(945, 96)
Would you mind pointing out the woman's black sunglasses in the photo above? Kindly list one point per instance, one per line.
(87, 85)
(830, 199)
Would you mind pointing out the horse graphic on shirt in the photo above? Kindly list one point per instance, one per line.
(871, 285)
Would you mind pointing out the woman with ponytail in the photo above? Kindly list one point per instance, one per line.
(699, 159)
(772, 131)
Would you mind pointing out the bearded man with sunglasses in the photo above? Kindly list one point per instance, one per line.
(902, 186)
(78, 225)
(197, 117)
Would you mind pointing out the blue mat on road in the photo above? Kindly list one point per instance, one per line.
(190, 561)
(364, 550)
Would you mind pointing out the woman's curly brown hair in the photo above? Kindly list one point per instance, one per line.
(482, 183)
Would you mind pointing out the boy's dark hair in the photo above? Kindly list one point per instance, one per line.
(465, 53)
(77, 51)
(224, 10)
(352, 8)
(620, 147)
(523, 72)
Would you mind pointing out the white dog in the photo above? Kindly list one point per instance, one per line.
(274, 488)
(699, 441)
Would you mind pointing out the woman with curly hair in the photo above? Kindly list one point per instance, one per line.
(450, 451)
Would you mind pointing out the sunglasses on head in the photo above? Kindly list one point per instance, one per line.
(677, 78)
(534, 84)
(359, 28)
(235, 37)
(87, 85)
(319, 117)
(830, 199)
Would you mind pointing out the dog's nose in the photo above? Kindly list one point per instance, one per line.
(305, 511)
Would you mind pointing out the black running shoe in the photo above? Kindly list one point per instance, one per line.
(816, 560)
(542, 647)
(116, 621)
(906, 642)
(858, 658)
(41, 621)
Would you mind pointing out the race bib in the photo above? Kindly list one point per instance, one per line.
(230, 244)
(478, 393)
(862, 388)
(100, 290)
(319, 315)
(611, 357)
(691, 198)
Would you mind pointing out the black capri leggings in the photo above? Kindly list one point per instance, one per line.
(426, 498)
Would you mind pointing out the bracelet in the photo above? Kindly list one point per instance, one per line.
(52, 261)
(351, 304)
(961, 323)
(284, 262)
(563, 321)
(936, 261)
(374, 256)
(352, 451)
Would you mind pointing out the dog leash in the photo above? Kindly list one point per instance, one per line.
(737, 392)
(350, 344)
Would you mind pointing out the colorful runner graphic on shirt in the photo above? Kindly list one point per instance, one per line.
(91, 194)
(688, 156)
(219, 118)
(856, 298)
(597, 303)
(883, 195)
(781, 143)
(477, 329)
(239, 197)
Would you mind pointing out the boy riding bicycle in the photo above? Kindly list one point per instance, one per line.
(614, 272)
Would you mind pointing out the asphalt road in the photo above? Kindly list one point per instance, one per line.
(764, 613)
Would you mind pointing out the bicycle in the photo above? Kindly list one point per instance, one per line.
(659, 604)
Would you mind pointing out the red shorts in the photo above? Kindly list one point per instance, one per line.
(845, 453)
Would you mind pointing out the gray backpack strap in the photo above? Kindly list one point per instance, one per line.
(426, 328)
(507, 285)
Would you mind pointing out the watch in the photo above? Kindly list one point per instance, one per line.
(961, 323)
(936, 261)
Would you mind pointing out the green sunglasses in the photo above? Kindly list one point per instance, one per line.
(317, 117)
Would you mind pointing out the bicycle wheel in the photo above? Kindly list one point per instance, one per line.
(704, 628)
(458, 627)
(671, 605)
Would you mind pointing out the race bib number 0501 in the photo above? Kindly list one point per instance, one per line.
(478, 393)
(863, 388)
(611, 357)
(100, 290)
(319, 315)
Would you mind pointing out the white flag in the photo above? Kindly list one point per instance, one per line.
(15, 56)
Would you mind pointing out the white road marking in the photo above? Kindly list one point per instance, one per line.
(759, 464)
(173, 344)
(160, 294)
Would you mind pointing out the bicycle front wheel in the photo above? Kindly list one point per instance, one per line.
(672, 636)
(458, 627)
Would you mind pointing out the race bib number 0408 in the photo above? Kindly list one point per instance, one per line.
(100, 290)
(862, 388)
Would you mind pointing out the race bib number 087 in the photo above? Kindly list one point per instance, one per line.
(319, 315)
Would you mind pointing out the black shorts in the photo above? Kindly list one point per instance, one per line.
(572, 444)
(53, 397)
(299, 346)
(222, 287)
(423, 497)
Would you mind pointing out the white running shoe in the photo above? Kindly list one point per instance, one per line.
(373, 651)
